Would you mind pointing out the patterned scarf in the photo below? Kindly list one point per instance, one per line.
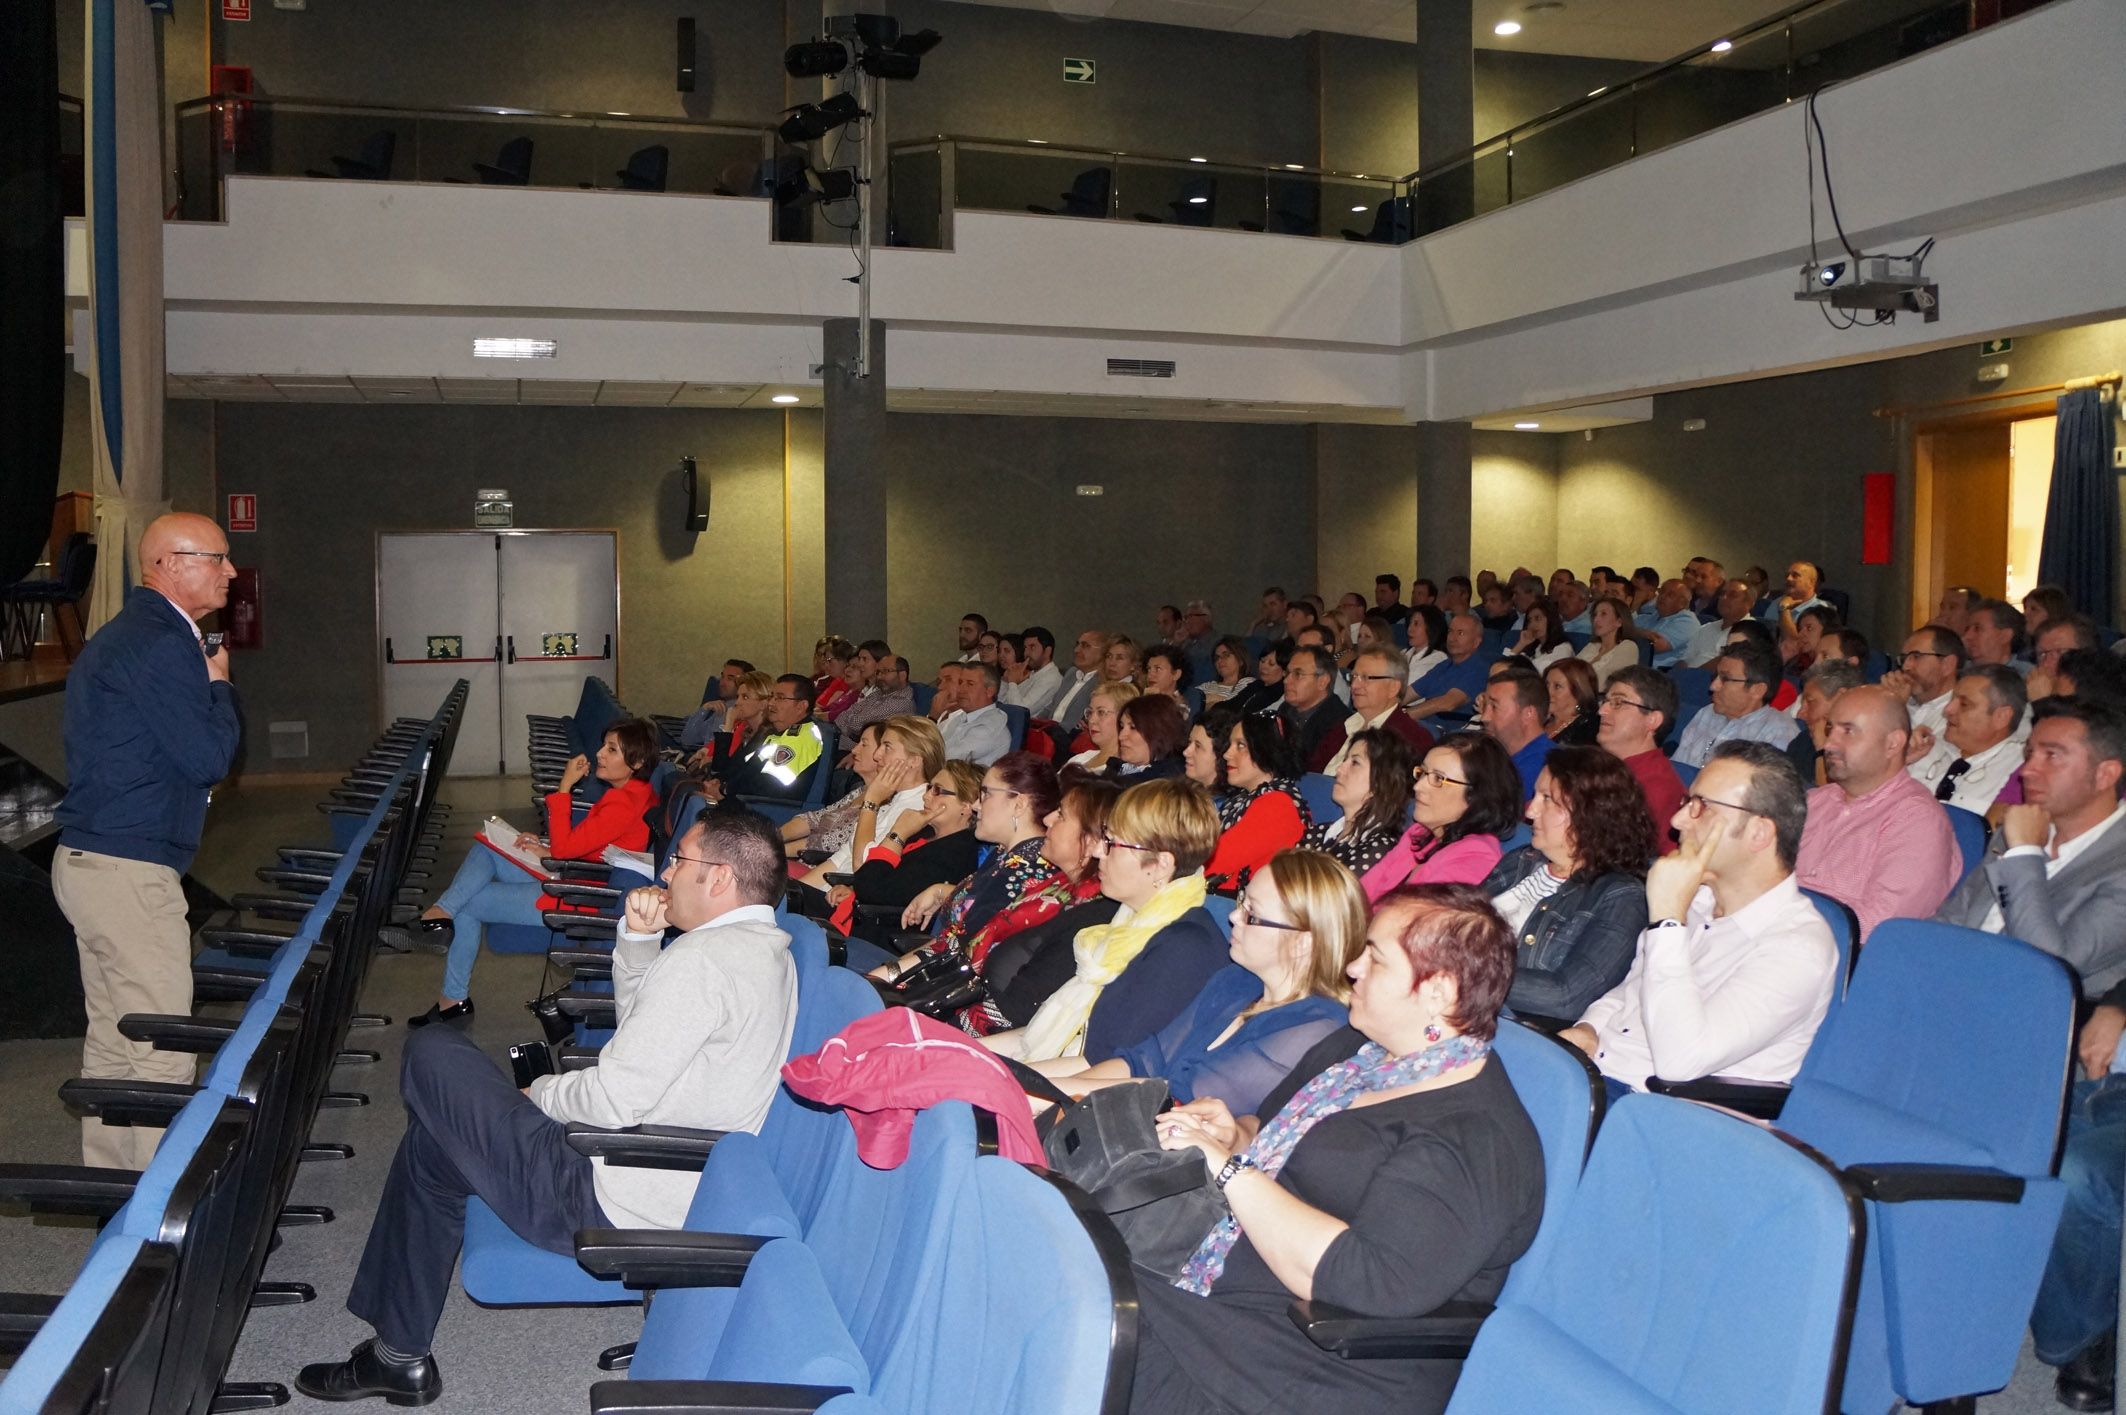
(1008, 878)
(1372, 1069)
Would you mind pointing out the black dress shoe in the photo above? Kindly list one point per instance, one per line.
(2085, 1382)
(429, 935)
(437, 1012)
(364, 1374)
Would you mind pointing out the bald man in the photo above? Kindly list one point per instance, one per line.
(1876, 838)
(151, 725)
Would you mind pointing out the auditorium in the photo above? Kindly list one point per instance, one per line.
(1062, 707)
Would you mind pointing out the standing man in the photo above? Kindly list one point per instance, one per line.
(151, 725)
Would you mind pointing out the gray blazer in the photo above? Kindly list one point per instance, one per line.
(2077, 915)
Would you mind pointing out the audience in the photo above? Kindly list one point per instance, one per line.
(1198, 639)
(934, 846)
(1636, 713)
(1735, 604)
(1231, 664)
(1575, 896)
(1466, 802)
(1269, 626)
(1844, 644)
(1377, 685)
(2097, 674)
(1447, 1195)
(1030, 955)
(1737, 968)
(833, 658)
(1074, 693)
(822, 832)
(1043, 683)
(1542, 634)
(1994, 634)
(1373, 789)
(2061, 636)
(1708, 581)
(1262, 810)
(1103, 721)
(1981, 745)
(1957, 602)
(910, 754)
(1150, 732)
(1741, 710)
(2045, 605)
(1514, 709)
(1297, 928)
(1123, 662)
(1802, 581)
(707, 720)
(743, 724)
(1611, 644)
(1573, 602)
(1450, 689)
(1810, 626)
(1165, 670)
(972, 627)
(1266, 693)
(1203, 757)
(1426, 629)
(778, 766)
(1311, 710)
(976, 730)
(1924, 674)
(1569, 719)
(882, 689)
(1388, 597)
(1813, 711)
(1877, 841)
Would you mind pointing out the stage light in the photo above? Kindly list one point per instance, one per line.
(809, 122)
(889, 64)
(815, 59)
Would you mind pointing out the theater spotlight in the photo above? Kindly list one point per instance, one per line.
(902, 58)
(809, 122)
(808, 187)
(815, 59)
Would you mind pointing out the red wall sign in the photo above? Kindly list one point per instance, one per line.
(236, 9)
(243, 511)
(1878, 517)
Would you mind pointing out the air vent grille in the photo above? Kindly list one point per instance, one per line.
(1140, 368)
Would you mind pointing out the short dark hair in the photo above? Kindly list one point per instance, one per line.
(2105, 722)
(1759, 665)
(992, 674)
(1277, 590)
(1159, 720)
(1033, 778)
(2083, 629)
(1527, 685)
(1851, 642)
(1775, 792)
(1173, 609)
(1942, 639)
(1435, 621)
(979, 621)
(1040, 636)
(2097, 676)
(877, 648)
(1300, 604)
(1606, 571)
(1825, 616)
(751, 845)
(2004, 616)
(1464, 581)
(1392, 581)
(1454, 930)
(1648, 576)
(1655, 689)
(1265, 740)
(637, 741)
(1753, 631)
(1421, 583)
(1174, 657)
(1321, 658)
(804, 686)
(2004, 689)
(1217, 724)
(1612, 829)
(738, 663)
(1553, 621)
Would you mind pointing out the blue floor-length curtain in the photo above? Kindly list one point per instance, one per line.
(2081, 546)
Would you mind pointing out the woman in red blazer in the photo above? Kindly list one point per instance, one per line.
(491, 888)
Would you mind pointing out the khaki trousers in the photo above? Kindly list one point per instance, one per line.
(136, 956)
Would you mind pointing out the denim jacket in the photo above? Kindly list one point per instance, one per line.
(1575, 945)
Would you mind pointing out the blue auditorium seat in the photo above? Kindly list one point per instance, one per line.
(1017, 718)
(1315, 789)
(1220, 908)
(1972, 833)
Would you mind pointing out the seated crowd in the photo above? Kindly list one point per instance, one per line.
(1302, 875)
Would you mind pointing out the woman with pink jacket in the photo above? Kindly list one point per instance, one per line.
(1468, 800)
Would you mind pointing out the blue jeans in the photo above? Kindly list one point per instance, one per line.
(2078, 1301)
(487, 890)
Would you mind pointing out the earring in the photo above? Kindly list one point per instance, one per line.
(1432, 1031)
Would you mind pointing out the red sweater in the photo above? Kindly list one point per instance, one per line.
(1664, 794)
(1271, 823)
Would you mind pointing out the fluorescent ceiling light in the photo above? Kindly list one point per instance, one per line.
(1295, 167)
(1360, 207)
(513, 348)
(1199, 159)
(1038, 142)
(1506, 27)
(783, 398)
(1198, 201)
(1528, 427)
(1723, 46)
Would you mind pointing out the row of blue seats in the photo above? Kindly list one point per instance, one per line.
(152, 1318)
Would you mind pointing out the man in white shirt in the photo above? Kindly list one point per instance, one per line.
(1736, 602)
(976, 730)
(1076, 692)
(1981, 744)
(1741, 710)
(1736, 970)
(2055, 873)
(1925, 674)
(1044, 681)
(704, 1029)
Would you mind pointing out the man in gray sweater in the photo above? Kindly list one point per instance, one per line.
(705, 1026)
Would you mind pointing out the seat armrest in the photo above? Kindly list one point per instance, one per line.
(666, 1257)
(586, 870)
(124, 1101)
(22, 1315)
(645, 1146)
(707, 1398)
(580, 957)
(576, 1058)
(175, 1031)
(1762, 1100)
(1445, 1333)
(1909, 1183)
(594, 1009)
(570, 891)
(67, 1188)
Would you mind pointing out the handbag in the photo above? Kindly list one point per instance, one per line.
(1161, 1201)
(940, 986)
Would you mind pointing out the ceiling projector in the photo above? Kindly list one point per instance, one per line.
(1877, 284)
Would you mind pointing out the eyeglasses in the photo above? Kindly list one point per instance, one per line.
(1375, 678)
(1304, 673)
(933, 789)
(1614, 701)
(987, 791)
(1921, 653)
(1733, 679)
(1108, 842)
(219, 557)
(1695, 805)
(697, 860)
(1436, 777)
(1246, 914)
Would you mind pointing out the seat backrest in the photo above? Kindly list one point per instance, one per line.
(102, 1345)
(1685, 772)
(1315, 789)
(377, 151)
(1564, 1097)
(1694, 693)
(1972, 834)
(1704, 1267)
(923, 694)
(1220, 908)
(1894, 1075)
(1522, 834)
(1845, 932)
(1016, 718)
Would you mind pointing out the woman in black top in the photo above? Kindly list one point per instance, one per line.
(1373, 786)
(1573, 718)
(1149, 733)
(910, 859)
(1415, 1178)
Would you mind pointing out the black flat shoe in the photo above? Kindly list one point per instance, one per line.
(428, 935)
(2085, 1383)
(437, 1012)
(364, 1374)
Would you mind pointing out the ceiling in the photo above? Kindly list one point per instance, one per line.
(1645, 30)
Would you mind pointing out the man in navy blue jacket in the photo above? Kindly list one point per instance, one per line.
(151, 725)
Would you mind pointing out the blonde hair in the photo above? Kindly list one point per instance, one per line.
(1323, 898)
(1173, 815)
(759, 684)
(918, 736)
(966, 779)
(1118, 692)
(1136, 652)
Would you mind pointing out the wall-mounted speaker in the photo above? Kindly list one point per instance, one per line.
(697, 490)
(686, 55)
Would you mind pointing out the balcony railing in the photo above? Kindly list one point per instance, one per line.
(295, 137)
(1764, 65)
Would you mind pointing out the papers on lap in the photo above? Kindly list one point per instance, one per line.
(638, 861)
(500, 836)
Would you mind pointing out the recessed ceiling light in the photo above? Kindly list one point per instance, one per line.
(513, 348)
(1598, 92)
(1506, 27)
(1197, 201)
(1527, 427)
(1199, 159)
(783, 398)
(1295, 167)
(1359, 207)
(1722, 46)
(1038, 142)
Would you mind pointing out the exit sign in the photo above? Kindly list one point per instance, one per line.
(1993, 348)
(1080, 71)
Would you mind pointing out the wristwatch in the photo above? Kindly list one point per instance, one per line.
(1232, 1167)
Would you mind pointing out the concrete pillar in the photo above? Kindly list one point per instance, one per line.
(1446, 111)
(1444, 502)
(854, 497)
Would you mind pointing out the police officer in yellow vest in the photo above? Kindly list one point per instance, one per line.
(781, 767)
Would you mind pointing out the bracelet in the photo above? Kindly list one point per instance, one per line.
(867, 806)
(1232, 1168)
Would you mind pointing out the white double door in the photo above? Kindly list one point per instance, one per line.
(522, 616)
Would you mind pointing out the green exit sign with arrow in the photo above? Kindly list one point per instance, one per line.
(1993, 347)
(1080, 71)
